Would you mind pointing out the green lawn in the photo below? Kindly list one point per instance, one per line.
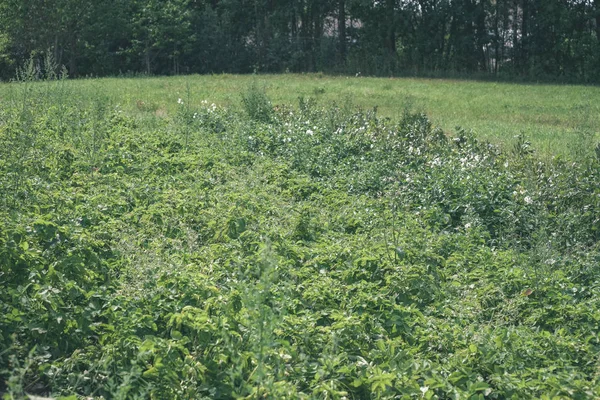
(557, 119)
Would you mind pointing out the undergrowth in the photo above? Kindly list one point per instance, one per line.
(287, 252)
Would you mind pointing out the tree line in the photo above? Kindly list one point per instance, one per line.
(536, 39)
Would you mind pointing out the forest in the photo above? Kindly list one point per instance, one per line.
(549, 40)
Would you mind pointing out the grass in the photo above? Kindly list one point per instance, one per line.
(555, 118)
(165, 249)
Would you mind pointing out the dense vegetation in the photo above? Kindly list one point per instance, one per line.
(559, 120)
(535, 39)
(287, 252)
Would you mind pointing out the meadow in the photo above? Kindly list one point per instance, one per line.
(233, 237)
(557, 119)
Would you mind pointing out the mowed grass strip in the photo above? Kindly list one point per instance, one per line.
(558, 119)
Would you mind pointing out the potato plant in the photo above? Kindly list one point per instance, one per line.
(287, 252)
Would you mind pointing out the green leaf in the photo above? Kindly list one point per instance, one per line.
(176, 335)
(479, 387)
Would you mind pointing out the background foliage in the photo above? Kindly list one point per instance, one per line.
(534, 39)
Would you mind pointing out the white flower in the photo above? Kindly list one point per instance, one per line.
(528, 200)
(179, 101)
(310, 132)
(362, 362)
(468, 225)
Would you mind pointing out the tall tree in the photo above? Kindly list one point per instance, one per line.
(555, 38)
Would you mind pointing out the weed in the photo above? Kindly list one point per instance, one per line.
(257, 104)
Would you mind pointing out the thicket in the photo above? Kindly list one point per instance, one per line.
(287, 252)
(500, 39)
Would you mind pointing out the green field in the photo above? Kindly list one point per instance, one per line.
(154, 245)
(555, 118)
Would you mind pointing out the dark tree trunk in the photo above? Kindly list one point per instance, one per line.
(597, 4)
(342, 29)
(439, 61)
(294, 22)
(524, 56)
(391, 26)
(516, 43)
(505, 26)
(481, 35)
(73, 71)
(317, 23)
(304, 34)
(450, 43)
(497, 38)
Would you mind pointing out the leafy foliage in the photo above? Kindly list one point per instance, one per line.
(524, 39)
(321, 252)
